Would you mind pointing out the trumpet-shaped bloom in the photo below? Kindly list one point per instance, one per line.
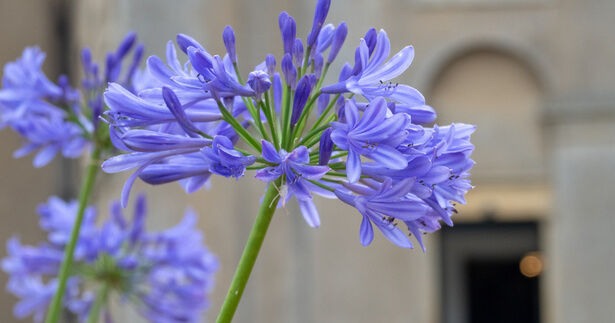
(383, 206)
(225, 160)
(373, 135)
(297, 173)
(374, 74)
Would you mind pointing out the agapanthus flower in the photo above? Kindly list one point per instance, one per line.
(297, 174)
(365, 145)
(52, 117)
(149, 270)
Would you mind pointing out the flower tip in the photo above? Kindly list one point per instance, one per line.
(228, 36)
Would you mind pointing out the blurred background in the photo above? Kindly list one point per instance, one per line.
(533, 244)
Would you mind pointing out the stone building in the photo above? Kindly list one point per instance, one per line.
(536, 76)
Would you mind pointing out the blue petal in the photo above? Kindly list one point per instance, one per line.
(160, 71)
(392, 233)
(395, 66)
(310, 171)
(269, 174)
(309, 212)
(407, 95)
(352, 114)
(389, 157)
(382, 51)
(353, 166)
(45, 155)
(172, 102)
(172, 60)
(270, 154)
(366, 233)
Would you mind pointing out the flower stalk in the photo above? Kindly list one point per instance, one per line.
(53, 314)
(250, 253)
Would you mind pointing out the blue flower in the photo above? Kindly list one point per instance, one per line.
(376, 149)
(166, 275)
(225, 160)
(373, 75)
(374, 135)
(383, 206)
(293, 165)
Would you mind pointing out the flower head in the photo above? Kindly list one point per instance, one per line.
(169, 283)
(365, 145)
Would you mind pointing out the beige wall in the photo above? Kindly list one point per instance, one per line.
(23, 23)
(536, 77)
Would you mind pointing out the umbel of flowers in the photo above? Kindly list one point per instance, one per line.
(358, 138)
(166, 275)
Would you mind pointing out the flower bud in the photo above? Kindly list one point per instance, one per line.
(322, 9)
(260, 83)
(298, 52)
(338, 41)
(289, 32)
(289, 70)
(323, 102)
(270, 63)
(325, 38)
(228, 35)
(326, 147)
(302, 93)
(371, 38)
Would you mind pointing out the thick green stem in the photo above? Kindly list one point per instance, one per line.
(101, 299)
(53, 313)
(250, 252)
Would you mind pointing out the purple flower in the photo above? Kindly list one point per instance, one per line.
(32, 106)
(374, 135)
(166, 275)
(383, 206)
(293, 165)
(373, 75)
(225, 160)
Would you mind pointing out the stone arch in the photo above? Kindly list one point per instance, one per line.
(501, 94)
(432, 66)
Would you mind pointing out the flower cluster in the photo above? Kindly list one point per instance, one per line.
(54, 118)
(166, 274)
(365, 143)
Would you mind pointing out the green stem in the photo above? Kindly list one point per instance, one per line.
(322, 76)
(286, 113)
(306, 58)
(53, 314)
(271, 121)
(250, 252)
(101, 299)
(324, 113)
(312, 134)
(241, 131)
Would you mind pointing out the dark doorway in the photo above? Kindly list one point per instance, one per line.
(499, 292)
(482, 279)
